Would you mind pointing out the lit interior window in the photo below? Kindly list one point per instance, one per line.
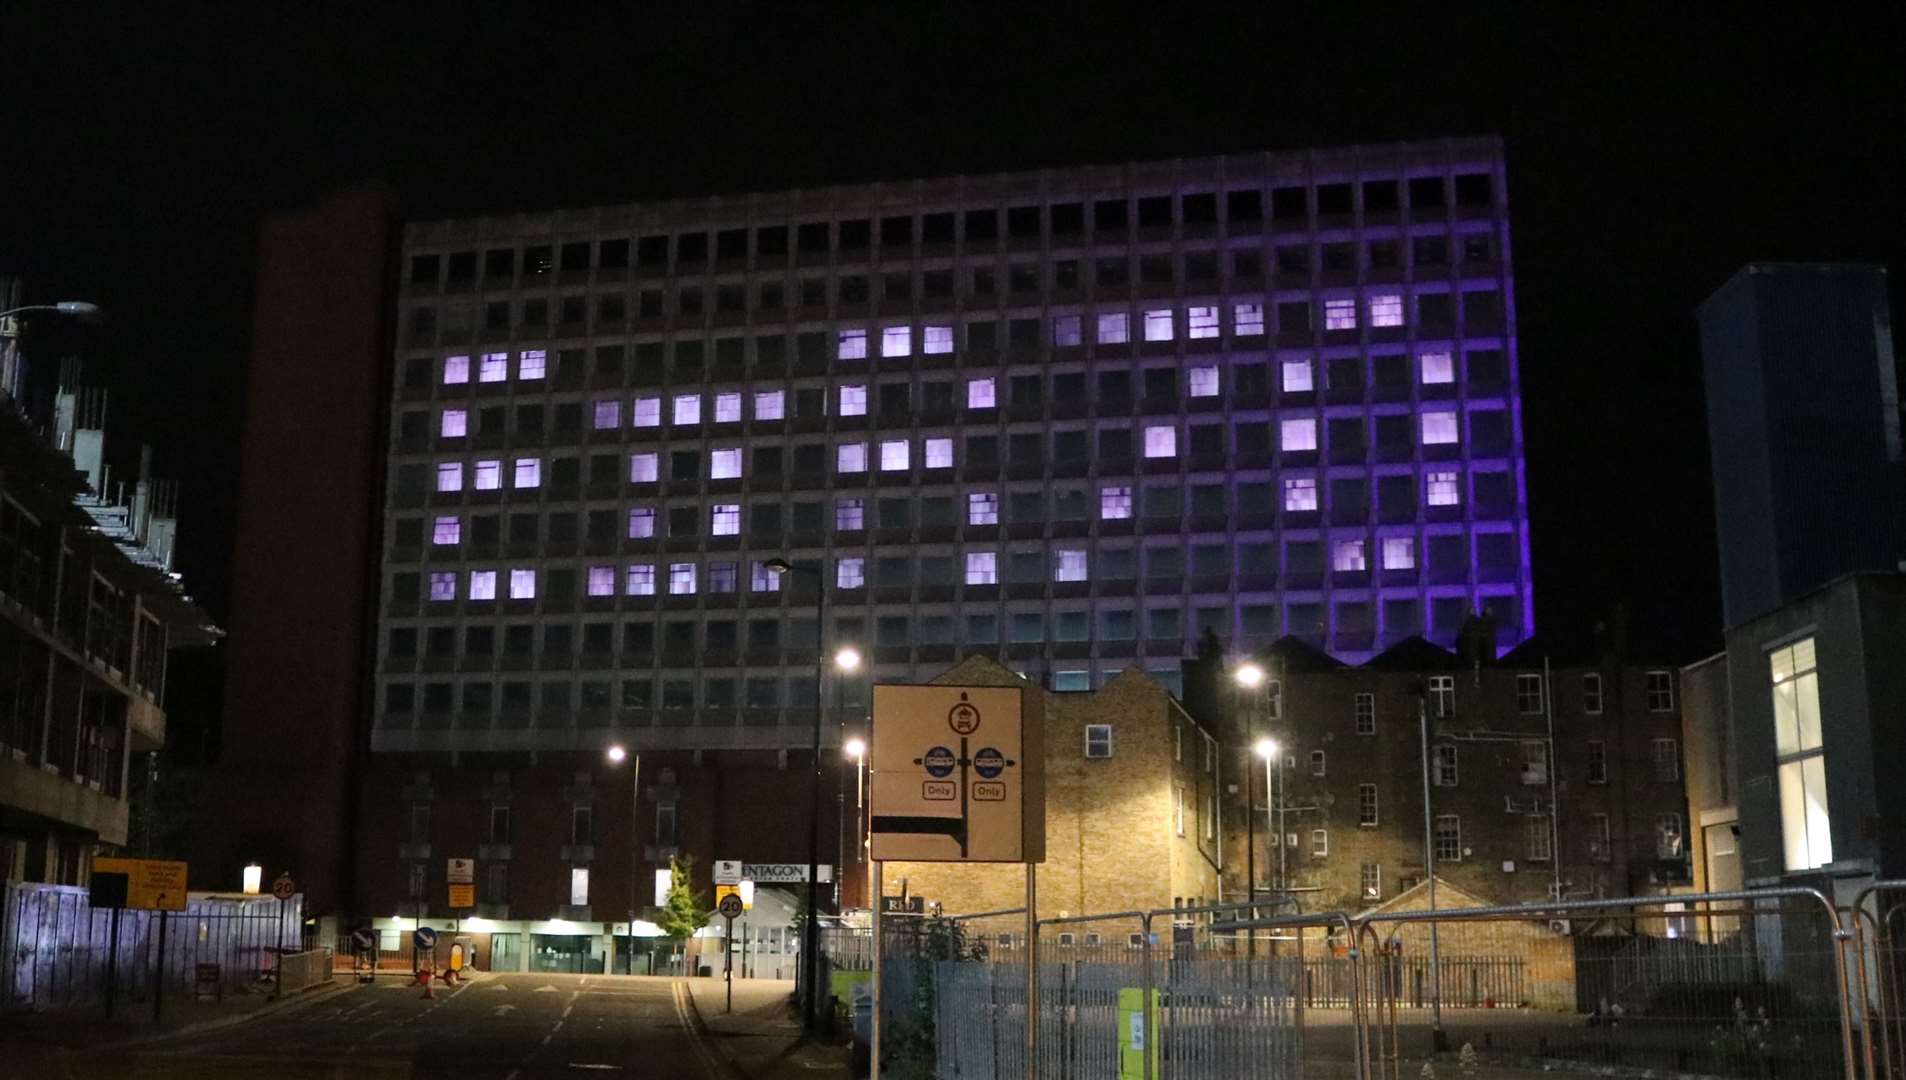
(1115, 503)
(936, 340)
(608, 415)
(727, 408)
(494, 367)
(681, 578)
(982, 568)
(850, 573)
(1441, 489)
(1347, 555)
(852, 345)
(482, 585)
(1247, 320)
(1297, 433)
(1399, 553)
(1386, 309)
(1297, 377)
(644, 468)
(725, 519)
(528, 473)
(641, 522)
(446, 530)
(647, 412)
(489, 475)
(688, 409)
(979, 394)
(449, 476)
(1158, 324)
(982, 508)
(852, 458)
(1300, 493)
(893, 455)
(853, 400)
(640, 580)
(1201, 322)
(531, 363)
(896, 341)
(1161, 441)
(850, 515)
(1065, 331)
(1437, 368)
(1115, 328)
(724, 464)
(456, 369)
(443, 585)
(522, 584)
(454, 424)
(939, 453)
(1202, 382)
(602, 581)
(1439, 428)
(1068, 566)
(1340, 314)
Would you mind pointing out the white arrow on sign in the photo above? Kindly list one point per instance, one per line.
(504, 1010)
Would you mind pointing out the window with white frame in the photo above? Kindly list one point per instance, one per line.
(1115, 328)
(895, 455)
(982, 508)
(1319, 843)
(851, 345)
(1370, 881)
(896, 341)
(1366, 713)
(1592, 693)
(1440, 488)
(939, 453)
(601, 581)
(1529, 695)
(647, 412)
(1098, 740)
(528, 473)
(1538, 844)
(1158, 324)
(487, 475)
(1443, 765)
(1600, 841)
(681, 579)
(1202, 381)
(445, 531)
(850, 573)
(456, 370)
(1347, 556)
(1297, 433)
(608, 415)
(1439, 428)
(724, 463)
(1660, 691)
(687, 410)
(1666, 756)
(1399, 553)
(853, 399)
(1448, 834)
(770, 405)
(762, 579)
(482, 585)
(493, 367)
(532, 364)
(1535, 761)
(1442, 690)
(1436, 368)
(449, 476)
(728, 408)
(1065, 331)
(1068, 565)
(443, 585)
(1800, 755)
(1670, 837)
(1273, 699)
(982, 568)
(1115, 503)
(1340, 313)
(1300, 493)
(850, 515)
(641, 522)
(1367, 806)
(1247, 320)
(522, 583)
(1296, 377)
(851, 457)
(578, 885)
(1317, 762)
(1386, 309)
(1596, 763)
(1201, 322)
(640, 580)
(725, 519)
(936, 340)
(979, 394)
(1161, 441)
(454, 424)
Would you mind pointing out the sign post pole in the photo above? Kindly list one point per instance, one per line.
(158, 971)
(728, 962)
(112, 965)
(1032, 969)
(879, 887)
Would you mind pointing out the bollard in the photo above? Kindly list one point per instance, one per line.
(423, 977)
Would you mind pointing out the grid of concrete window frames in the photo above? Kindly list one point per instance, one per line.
(1070, 419)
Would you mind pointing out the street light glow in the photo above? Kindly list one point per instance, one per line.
(76, 307)
(616, 753)
(1249, 675)
(778, 566)
(1266, 748)
(855, 747)
(847, 659)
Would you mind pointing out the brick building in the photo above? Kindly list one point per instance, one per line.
(1545, 777)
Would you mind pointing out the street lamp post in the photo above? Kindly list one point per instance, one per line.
(810, 937)
(846, 660)
(616, 754)
(1273, 801)
(77, 308)
(1438, 1039)
(1249, 678)
(855, 748)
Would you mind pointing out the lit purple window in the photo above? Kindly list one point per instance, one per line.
(1202, 382)
(494, 367)
(1340, 314)
(482, 584)
(1347, 555)
(1437, 368)
(456, 369)
(608, 415)
(1297, 433)
(725, 519)
(896, 341)
(894, 455)
(1068, 566)
(770, 405)
(531, 363)
(688, 409)
(1115, 328)
(727, 408)
(850, 515)
(681, 578)
(853, 399)
(640, 580)
(1247, 320)
(449, 476)
(602, 581)
(528, 473)
(643, 468)
(1442, 489)
(522, 584)
(1115, 503)
(446, 531)
(647, 412)
(1297, 377)
(1201, 322)
(724, 464)
(851, 345)
(1386, 309)
(850, 573)
(641, 522)
(488, 475)
(762, 579)
(454, 424)
(1161, 441)
(1158, 324)
(852, 458)
(982, 568)
(980, 394)
(443, 585)
(936, 340)
(939, 453)
(1399, 553)
(982, 508)
(1439, 428)
(1300, 493)
(1065, 330)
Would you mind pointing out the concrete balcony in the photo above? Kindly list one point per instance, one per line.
(34, 790)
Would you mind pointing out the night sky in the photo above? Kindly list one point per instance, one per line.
(1648, 158)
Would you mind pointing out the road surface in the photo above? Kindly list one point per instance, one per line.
(505, 1027)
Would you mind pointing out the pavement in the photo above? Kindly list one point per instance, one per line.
(499, 1026)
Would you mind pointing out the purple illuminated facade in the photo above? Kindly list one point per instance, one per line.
(1071, 419)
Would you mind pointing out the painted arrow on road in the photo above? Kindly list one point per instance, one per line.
(505, 1010)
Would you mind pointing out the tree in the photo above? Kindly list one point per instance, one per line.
(684, 910)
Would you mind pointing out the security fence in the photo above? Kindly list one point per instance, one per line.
(55, 948)
(1765, 983)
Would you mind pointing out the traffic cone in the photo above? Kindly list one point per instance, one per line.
(429, 990)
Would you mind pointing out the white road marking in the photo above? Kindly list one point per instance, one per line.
(505, 1010)
(702, 1050)
(594, 1065)
(544, 989)
(498, 986)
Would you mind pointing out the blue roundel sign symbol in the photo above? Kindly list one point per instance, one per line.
(939, 762)
(989, 763)
(424, 937)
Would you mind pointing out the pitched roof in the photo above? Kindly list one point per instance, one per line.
(1293, 653)
(1414, 653)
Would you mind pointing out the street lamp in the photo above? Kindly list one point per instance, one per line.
(254, 878)
(846, 659)
(810, 936)
(1273, 797)
(81, 309)
(617, 755)
(1250, 676)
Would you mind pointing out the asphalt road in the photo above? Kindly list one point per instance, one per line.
(507, 1027)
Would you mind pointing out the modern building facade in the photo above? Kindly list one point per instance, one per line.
(1545, 778)
(89, 609)
(1803, 418)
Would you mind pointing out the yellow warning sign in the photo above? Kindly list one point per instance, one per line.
(462, 896)
(151, 884)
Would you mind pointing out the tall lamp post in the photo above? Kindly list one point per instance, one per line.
(1249, 678)
(616, 755)
(856, 748)
(1273, 800)
(810, 936)
(846, 661)
(1438, 1039)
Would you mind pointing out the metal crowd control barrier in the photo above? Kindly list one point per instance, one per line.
(1881, 1004)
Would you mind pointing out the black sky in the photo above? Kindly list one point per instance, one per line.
(1649, 156)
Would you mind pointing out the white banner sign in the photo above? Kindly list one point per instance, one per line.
(775, 873)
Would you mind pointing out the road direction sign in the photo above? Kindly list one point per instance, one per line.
(727, 871)
(936, 800)
(730, 906)
(461, 872)
(150, 884)
(364, 939)
(283, 887)
(424, 937)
